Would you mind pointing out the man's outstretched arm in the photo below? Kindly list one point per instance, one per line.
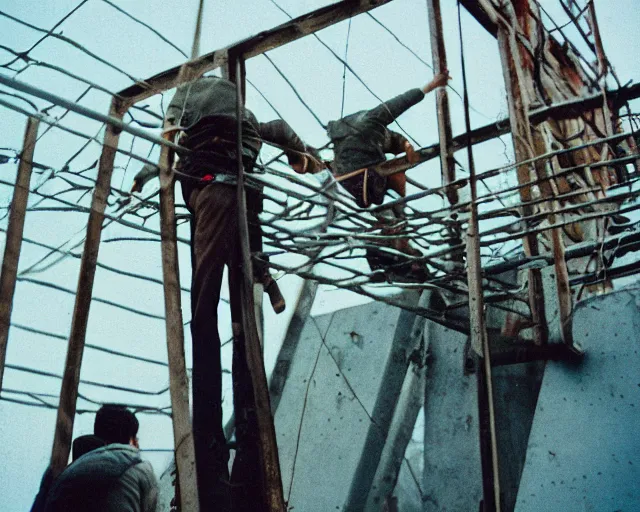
(389, 111)
(279, 133)
(148, 171)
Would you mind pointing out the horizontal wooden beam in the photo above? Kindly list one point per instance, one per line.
(482, 12)
(559, 111)
(256, 45)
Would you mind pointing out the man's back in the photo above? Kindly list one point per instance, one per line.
(109, 479)
(212, 98)
(359, 139)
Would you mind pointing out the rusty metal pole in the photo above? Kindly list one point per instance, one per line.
(75, 349)
(13, 242)
(268, 448)
(478, 329)
(178, 381)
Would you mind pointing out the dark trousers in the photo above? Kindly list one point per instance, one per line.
(215, 243)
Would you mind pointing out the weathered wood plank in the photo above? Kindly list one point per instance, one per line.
(439, 57)
(178, 381)
(75, 349)
(13, 242)
(267, 445)
(523, 147)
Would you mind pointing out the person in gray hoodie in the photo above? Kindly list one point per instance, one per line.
(110, 478)
(360, 142)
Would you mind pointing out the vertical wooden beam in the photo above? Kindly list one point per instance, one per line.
(195, 48)
(178, 381)
(75, 349)
(523, 151)
(480, 343)
(563, 289)
(447, 162)
(13, 242)
(268, 448)
(184, 447)
(525, 148)
(477, 326)
(439, 57)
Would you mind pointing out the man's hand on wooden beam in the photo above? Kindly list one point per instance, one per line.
(439, 80)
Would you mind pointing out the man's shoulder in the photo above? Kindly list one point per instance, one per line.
(115, 449)
(353, 124)
(111, 459)
(95, 477)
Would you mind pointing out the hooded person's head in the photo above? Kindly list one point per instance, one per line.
(116, 424)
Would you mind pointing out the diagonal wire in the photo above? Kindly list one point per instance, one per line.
(420, 59)
(50, 32)
(295, 91)
(353, 72)
(344, 72)
(145, 25)
(76, 45)
(304, 405)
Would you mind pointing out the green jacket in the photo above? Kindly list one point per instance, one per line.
(361, 140)
(206, 106)
(213, 97)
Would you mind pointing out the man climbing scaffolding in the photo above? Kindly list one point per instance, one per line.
(202, 118)
(360, 142)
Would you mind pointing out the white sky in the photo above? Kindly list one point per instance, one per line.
(380, 61)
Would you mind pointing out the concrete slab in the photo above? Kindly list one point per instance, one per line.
(452, 472)
(324, 430)
(584, 449)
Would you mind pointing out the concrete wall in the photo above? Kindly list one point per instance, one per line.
(584, 449)
(452, 477)
(349, 368)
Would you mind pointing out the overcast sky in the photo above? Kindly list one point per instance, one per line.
(380, 61)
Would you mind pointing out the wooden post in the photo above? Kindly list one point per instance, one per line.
(184, 447)
(75, 349)
(14, 236)
(178, 382)
(447, 162)
(523, 150)
(268, 448)
(480, 341)
(478, 329)
(439, 57)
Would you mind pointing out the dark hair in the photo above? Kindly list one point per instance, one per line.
(85, 444)
(115, 424)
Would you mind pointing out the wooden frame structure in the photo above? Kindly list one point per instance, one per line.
(518, 28)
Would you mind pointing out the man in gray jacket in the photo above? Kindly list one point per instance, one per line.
(112, 478)
(360, 142)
